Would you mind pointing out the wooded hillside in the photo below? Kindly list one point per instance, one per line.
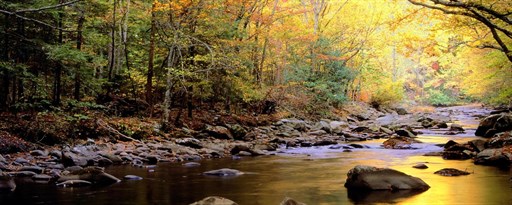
(152, 57)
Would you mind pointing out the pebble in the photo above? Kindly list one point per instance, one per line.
(132, 177)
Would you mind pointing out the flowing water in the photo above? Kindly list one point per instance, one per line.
(311, 175)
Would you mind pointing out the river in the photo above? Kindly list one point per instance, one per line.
(313, 175)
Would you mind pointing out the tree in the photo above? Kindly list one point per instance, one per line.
(494, 14)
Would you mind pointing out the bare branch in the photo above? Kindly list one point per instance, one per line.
(34, 20)
(47, 7)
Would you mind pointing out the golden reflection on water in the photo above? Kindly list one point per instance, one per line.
(315, 178)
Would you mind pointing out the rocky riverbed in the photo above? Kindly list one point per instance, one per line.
(81, 164)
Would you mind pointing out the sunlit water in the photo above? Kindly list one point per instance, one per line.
(311, 175)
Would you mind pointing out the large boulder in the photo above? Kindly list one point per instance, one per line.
(6, 182)
(238, 131)
(338, 126)
(219, 132)
(214, 200)
(494, 157)
(494, 124)
(372, 178)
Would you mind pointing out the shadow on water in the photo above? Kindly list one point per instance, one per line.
(371, 197)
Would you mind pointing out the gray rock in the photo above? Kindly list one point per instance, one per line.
(21, 161)
(478, 144)
(95, 175)
(38, 153)
(290, 201)
(132, 177)
(420, 166)
(189, 142)
(500, 140)
(337, 146)
(152, 159)
(35, 169)
(317, 132)
(41, 177)
(22, 174)
(56, 153)
(451, 172)
(494, 124)
(338, 126)
(223, 172)
(112, 157)
(268, 147)
(192, 164)
(103, 162)
(7, 182)
(405, 133)
(74, 183)
(373, 178)
(456, 128)
(214, 200)
(244, 153)
(238, 131)
(219, 132)
(323, 125)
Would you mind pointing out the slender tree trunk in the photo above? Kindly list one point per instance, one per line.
(79, 41)
(4, 90)
(112, 47)
(190, 106)
(57, 87)
(264, 52)
(4, 95)
(149, 79)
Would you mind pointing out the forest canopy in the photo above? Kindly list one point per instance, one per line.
(304, 55)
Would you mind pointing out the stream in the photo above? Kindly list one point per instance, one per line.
(314, 175)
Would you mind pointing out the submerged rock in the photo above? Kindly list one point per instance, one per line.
(6, 182)
(399, 142)
(420, 166)
(214, 200)
(372, 178)
(223, 172)
(95, 175)
(132, 177)
(290, 201)
(74, 183)
(451, 172)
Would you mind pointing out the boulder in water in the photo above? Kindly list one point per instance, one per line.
(223, 172)
(494, 124)
(451, 172)
(95, 175)
(290, 201)
(6, 182)
(214, 200)
(372, 178)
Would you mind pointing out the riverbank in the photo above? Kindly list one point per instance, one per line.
(235, 141)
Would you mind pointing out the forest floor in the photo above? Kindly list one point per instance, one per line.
(22, 132)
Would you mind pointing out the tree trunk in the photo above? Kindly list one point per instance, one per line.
(190, 106)
(149, 79)
(57, 87)
(112, 48)
(4, 90)
(79, 41)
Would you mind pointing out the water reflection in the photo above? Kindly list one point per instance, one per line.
(313, 176)
(372, 197)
